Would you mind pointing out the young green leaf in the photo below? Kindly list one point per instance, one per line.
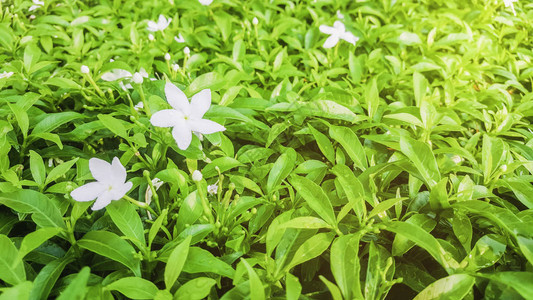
(315, 197)
(134, 287)
(175, 262)
(455, 286)
(127, 220)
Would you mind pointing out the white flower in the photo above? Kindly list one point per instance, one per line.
(84, 69)
(255, 21)
(175, 67)
(212, 189)
(185, 117)
(186, 50)
(116, 74)
(340, 15)
(205, 2)
(161, 24)
(137, 78)
(151, 37)
(37, 4)
(197, 176)
(6, 74)
(167, 56)
(157, 183)
(337, 32)
(110, 183)
(179, 38)
(509, 3)
(138, 106)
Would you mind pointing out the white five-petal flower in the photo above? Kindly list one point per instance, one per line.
(509, 3)
(337, 32)
(37, 4)
(161, 24)
(110, 183)
(185, 117)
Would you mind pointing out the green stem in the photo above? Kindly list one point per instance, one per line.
(140, 204)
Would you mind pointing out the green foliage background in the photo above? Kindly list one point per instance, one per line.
(398, 168)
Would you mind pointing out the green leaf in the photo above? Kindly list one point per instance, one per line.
(22, 118)
(315, 197)
(176, 261)
(111, 246)
(526, 246)
(52, 121)
(35, 239)
(116, 126)
(43, 210)
(195, 289)
(134, 288)
(422, 158)
(324, 144)
(60, 170)
(20, 291)
(293, 288)
(127, 220)
(455, 286)
(353, 189)
(11, 266)
(519, 281)
(200, 261)
(305, 223)
(372, 98)
(257, 291)
(401, 243)
(47, 277)
(522, 190)
(345, 266)
(333, 289)
(76, 288)
(281, 169)
(37, 168)
(154, 229)
(379, 273)
(486, 252)
(223, 163)
(311, 248)
(420, 85)
(350, 142)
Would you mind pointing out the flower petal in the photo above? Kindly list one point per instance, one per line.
(152, 26)
(327, 29)
(176, 98)
(118, 191)
(166, 118)
(88, 192)
(331, 41)
(200, 103)
(205, 126)
(349, 37)
(339, 26)
(102, 201)
(183, 135)
(118, 171)
(100, 169)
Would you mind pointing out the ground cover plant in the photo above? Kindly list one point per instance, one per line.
(266, 149)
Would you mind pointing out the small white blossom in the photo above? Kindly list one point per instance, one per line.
(151, 37)
(255, 21)
(167, 56)
(157, 183)
(180, 39)
(36, 4)
(205, 2)
(161, 24)
(457, 159)
(212, 189)
(138, 106)
(186, 50)
(32, 17)
(175, 67)
(137, 78)
(84, 69)
(184, 117)
(116, 74)
(337, 32)
(197, 176)
(6, 74)
(110, 183)
(340, 15)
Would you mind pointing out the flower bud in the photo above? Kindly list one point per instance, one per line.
(151, 37)
(255, 21)
(186, 50)
(84, 69)
(175, 67)
(196, 176)
(137, 78)
(167, 56)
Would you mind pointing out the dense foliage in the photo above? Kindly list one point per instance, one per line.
(369, 149)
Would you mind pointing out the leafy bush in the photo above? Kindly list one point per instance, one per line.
(348, 150)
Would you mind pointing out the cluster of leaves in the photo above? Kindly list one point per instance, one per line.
(401, 166)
